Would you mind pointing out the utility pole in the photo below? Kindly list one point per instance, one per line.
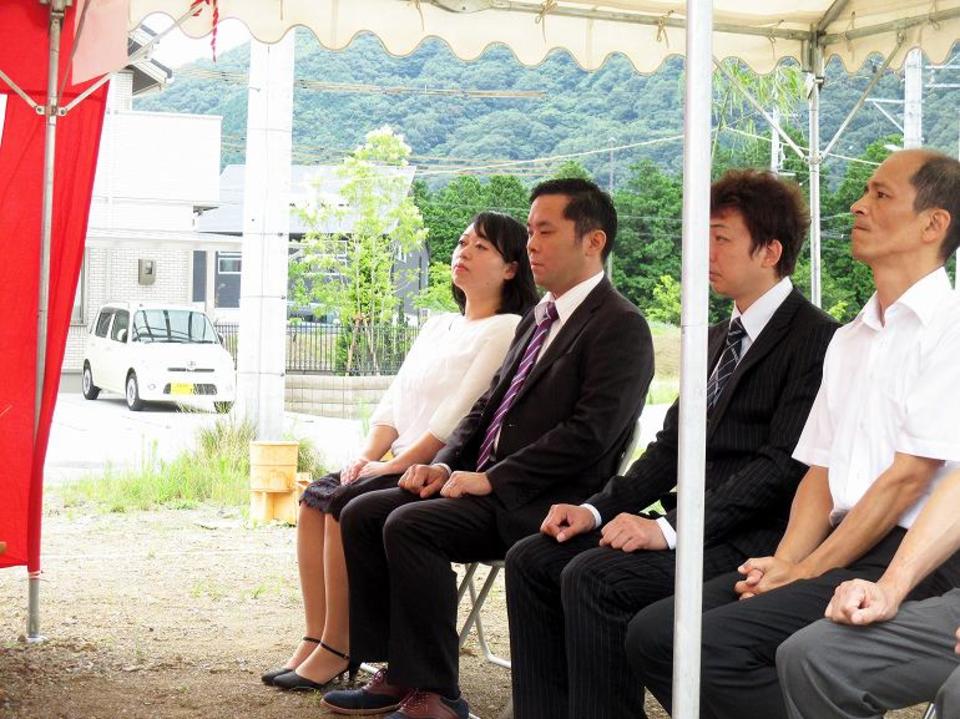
(609, 267)
(261, 351)
(775, 151)
(913, 100)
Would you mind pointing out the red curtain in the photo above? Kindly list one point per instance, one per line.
(24, 48)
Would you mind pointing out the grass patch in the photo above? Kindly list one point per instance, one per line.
(216, 472)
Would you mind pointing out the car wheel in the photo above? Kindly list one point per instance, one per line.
(133, 393)
(223, 407)
(90, 390)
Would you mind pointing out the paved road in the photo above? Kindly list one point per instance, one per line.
(86, 436)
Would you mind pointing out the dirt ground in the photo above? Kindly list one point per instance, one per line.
(175, 614)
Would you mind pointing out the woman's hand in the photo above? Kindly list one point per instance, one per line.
(375, 469)
(351, 470)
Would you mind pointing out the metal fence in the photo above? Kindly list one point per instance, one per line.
(314, 348)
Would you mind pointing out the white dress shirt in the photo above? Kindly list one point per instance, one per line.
(449, 366)
(891, 383)
(754, 320)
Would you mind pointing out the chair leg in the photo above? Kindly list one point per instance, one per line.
(931, 712)
(474, 617)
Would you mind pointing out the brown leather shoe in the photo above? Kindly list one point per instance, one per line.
(430, 705)
(375, 697)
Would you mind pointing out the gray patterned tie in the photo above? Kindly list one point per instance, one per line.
(727, 364)
(526, 364)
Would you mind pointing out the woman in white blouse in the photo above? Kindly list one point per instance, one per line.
(449, 366)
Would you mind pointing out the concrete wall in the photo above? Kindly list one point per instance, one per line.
(332, 396)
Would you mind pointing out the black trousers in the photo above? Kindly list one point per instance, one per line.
(569, 605)
(403, 593)
(740, 638)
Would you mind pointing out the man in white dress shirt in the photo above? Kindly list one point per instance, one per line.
(883, 431)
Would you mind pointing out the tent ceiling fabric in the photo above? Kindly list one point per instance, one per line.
(646, 31)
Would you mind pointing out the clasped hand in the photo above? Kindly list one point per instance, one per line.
(860, 602)
(631, 532)
(426, 480)
(763, 574)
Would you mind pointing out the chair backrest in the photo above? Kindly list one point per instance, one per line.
(626, 459)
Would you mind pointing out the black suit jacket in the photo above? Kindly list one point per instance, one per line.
(751, 434)
(565, 433)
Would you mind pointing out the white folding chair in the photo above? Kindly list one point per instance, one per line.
(477, 599)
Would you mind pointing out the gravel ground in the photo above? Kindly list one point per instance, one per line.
(175, 614)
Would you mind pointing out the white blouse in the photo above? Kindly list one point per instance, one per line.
(449, 366)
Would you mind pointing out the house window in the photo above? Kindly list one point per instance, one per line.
(77, 314)
(199, 276)
(228, 263)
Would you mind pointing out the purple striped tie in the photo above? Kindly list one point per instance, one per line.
(526, 364)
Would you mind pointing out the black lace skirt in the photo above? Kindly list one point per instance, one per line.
(328, 495)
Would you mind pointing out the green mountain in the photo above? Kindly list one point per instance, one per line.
(578, 111)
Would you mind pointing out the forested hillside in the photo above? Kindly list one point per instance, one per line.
(578, 111)
(483, 153)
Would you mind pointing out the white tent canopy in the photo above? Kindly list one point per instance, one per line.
(645, 31)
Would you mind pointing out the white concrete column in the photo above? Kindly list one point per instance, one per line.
(266, 225)
(913, 99)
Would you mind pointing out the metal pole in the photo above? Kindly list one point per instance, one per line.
(693, 354)
(814, 164)
(57, 8)
(913, 100)
(775, 143)
(609, 267)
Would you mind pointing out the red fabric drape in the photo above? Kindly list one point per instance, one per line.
(24, 49)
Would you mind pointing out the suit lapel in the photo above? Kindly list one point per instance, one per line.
(776, 328)
(567, 334)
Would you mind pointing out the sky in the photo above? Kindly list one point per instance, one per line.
(177, 49)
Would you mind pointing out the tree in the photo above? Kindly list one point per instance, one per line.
(571, 169)
(353, 275)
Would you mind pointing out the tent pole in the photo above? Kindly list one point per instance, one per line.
(814, 159)
(693, 354)
(57, 9)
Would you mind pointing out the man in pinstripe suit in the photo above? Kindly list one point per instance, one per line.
(572, 589)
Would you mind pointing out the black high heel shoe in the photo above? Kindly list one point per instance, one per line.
(291, 681)
(268, 677)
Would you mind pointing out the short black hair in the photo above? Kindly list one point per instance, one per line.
(772, 209)
(588, 206)
(519, 293)
(937, 183)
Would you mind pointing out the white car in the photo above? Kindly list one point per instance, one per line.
(157, 353)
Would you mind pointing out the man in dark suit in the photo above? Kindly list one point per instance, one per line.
(572, 589)
(550, 429)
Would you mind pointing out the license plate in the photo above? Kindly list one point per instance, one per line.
(181, 388)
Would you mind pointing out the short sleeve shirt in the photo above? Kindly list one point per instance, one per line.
(889, 385)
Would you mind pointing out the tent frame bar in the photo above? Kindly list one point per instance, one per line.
(37, 107)
(864, 96)
(772, 121)
(815, 36)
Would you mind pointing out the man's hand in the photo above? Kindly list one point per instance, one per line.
(630, 532)
(861, 602)
(351, 470)
(423, 479)
(566, 521)
(957, 648)
(463, 483)
(763, 574)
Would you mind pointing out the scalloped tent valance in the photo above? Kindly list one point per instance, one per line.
(646, 31)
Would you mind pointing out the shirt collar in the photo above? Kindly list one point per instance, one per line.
(762, 309)
(923, 298)
(568, 302)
